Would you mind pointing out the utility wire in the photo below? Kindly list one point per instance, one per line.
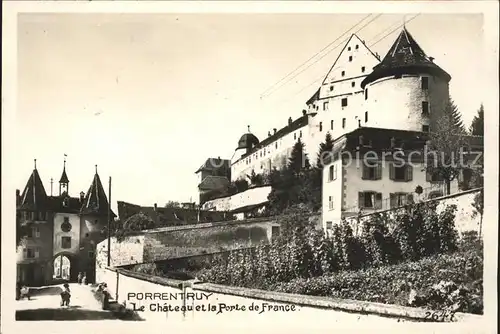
(263, 94)
(324, 55)
(322, 76)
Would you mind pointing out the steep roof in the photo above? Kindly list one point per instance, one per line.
(295, 125)
(213, 164)
(34, 196)
(95, 201)
(405, 57)
(64, 177)
(314, 97)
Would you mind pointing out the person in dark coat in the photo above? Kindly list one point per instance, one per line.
(65, 295)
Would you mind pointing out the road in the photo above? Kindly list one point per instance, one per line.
(45, 305)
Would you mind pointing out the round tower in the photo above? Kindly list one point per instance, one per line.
(246, 143)
(406, 90)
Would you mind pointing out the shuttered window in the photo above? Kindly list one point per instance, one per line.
(369, 200)
(372, 171)
(400, 173)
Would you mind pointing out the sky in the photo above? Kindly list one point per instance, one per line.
(149, 97)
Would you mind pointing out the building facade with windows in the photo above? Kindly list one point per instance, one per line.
(374, 169)
(57, 234)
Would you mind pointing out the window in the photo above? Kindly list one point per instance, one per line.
(357, 46)
(363, 69)
(329, 225)
(366, 116)
(343, 123)
(425, 128)
(41, 215)
(372, 171)
(276, 145)
(425, 107)
(29, 233)
(65, 242)
(325, 105)
(344, 102)
(343, 73)
(433, 176)
(331, 88)
(65, 202)
(425, 83)
(353, 84)
(36, 232)
(401, 172)
(300, 134)
(294, 136)
(330, 202)
(366, 94)
(331, 125)
(350, 58)
(320, 126)
(369, 200)
(349, 48)
(332, 173)
(400, 199)
(435, 194)
(30, 253)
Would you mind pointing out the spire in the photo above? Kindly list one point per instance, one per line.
(248, 126)
(64, 181)
(96, 169)
(34, 196)
(405, 57)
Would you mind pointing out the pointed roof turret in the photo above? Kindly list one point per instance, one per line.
(34, 196)
(95, 201)
(64, 176)
(405, 57)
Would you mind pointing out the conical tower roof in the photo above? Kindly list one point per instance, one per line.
(405, 57)
(64, 177)
(34, 196)
(95, 201)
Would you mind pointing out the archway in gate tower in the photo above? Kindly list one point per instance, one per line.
(64, 268)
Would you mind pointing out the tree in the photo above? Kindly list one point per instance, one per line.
(454, 117)
(256, 179)
(172, 204)
(324, 148)
(446, 157)
(478, 206)
(298, 160)
(477, 125)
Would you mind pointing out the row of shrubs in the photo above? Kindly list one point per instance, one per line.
(304, 256)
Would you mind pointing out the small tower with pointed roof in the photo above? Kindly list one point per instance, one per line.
(64, 181)
(406, 90)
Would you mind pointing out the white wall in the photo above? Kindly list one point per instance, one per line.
(273, 155)
(129, 251)
(251, 196)
(465, 220)
(397, 103)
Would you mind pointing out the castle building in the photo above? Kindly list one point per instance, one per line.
(57, 234)
(392, 101)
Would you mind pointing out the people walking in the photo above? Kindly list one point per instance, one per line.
(65, 295)
(80, 276)
(84, 279)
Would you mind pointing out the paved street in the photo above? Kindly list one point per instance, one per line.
(45, 305)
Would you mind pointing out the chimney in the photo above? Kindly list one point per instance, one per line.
(290, 121)
(269, 133)
(18, 196)
(431, 59)
(274, 130)
(156, 206)
(82, 196)
(304, 112)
